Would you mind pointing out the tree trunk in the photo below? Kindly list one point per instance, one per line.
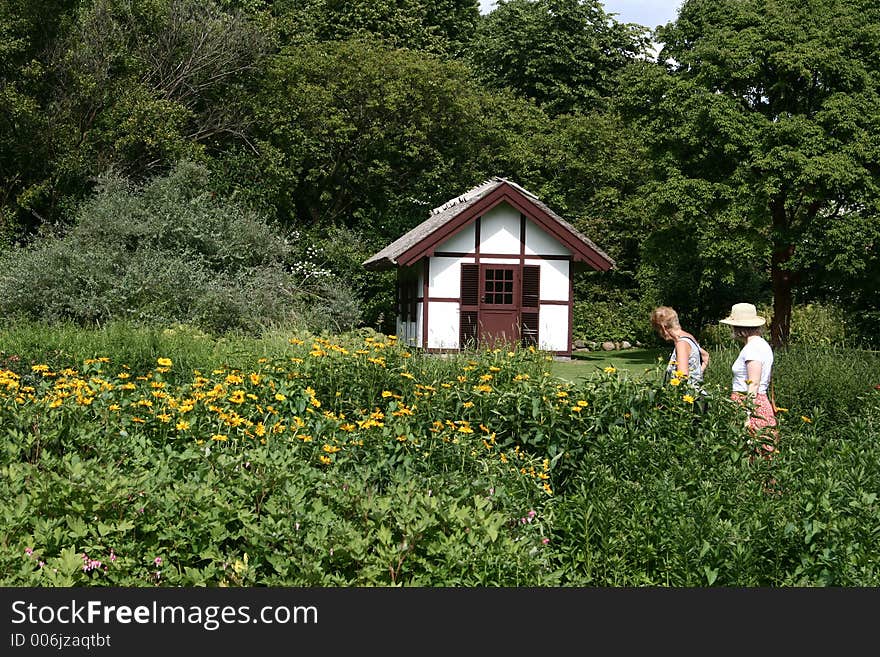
(783, 279)
(780, 327)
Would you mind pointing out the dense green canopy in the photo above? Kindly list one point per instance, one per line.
(741, 165)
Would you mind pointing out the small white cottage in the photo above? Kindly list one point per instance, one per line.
(491, 266)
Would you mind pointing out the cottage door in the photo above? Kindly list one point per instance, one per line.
(499, 305)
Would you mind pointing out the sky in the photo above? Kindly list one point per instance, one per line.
(649, 13)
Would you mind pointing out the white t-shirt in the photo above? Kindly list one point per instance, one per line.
(757, 348)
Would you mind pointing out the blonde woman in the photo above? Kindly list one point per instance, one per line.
(687, 357)
(753, 369)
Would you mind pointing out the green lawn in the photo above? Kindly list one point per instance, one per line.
(634, 362)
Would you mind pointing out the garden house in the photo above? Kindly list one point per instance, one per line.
(492, 266)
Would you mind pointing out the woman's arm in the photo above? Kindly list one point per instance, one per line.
(704, 359)
(753, 377)
(682, 353)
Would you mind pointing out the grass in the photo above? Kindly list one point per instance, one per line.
(632, 362)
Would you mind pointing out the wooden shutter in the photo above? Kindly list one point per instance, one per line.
(470, 285)
(467, 329)
(531, 286)
(529, 330)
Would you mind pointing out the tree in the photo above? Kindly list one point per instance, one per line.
(563, 54)
(135, 86)
(357, 134)
(765, 131)
(440, 27)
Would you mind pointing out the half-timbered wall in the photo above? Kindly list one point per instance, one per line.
(501, 236)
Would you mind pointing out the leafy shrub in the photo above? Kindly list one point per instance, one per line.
(168, 253)
(304, 460)
(618, 316)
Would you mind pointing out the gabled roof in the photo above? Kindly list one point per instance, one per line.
(445, 220)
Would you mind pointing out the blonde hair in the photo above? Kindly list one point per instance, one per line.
(664, 317)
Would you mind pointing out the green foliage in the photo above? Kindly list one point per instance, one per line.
(441, 27)
(615, 315)
(563, 55)
(354, 133)
(764, 133)
(166, 253)
(350, 461)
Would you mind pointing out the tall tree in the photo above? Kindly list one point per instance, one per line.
(441, 27)
(117, 83)
(768, 123)
(563, 54)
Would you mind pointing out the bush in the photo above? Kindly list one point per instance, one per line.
(617, 317)
(168, 253)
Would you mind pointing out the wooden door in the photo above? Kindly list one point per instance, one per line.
(499, 305)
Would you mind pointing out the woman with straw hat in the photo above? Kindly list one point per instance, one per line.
(752, 370)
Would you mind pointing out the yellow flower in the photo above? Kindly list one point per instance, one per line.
(688, 399)
(674, 382)
(219, 437)
(164, 362)
(331, 449)
(279, 397)
(326, 460)
(806, 419)
(183, 425)
(610, 370)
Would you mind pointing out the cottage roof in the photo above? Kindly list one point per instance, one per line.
(446, 219)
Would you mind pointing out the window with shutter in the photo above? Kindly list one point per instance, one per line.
(470, 285)
(531, 286)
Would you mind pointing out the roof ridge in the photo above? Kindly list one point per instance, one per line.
(468, 195)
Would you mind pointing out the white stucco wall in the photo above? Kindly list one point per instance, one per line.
(553, 328)
(539, 242)
(444, 276)
(442, 325)
(462, 242)
(499, 230)
(554, 280)
(499, 261)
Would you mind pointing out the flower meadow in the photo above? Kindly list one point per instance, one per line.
(354, 461)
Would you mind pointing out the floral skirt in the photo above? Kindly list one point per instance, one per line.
(762, 421)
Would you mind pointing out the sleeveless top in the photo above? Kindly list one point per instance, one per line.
(694, 371)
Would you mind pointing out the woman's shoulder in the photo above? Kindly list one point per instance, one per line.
(757, 348)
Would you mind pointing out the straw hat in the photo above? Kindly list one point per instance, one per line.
(743, 314)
